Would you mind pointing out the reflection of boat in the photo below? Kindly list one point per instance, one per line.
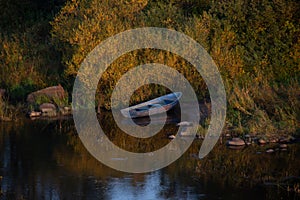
(152, 107)
(155, 120)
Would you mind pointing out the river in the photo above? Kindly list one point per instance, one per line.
(45, 159)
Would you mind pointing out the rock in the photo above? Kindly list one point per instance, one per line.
(48, 110)
(261, 141)
(283, 140)
(171, 136)
(273, 140)
(185, 123)
(49, 113)
(269, 150)
(65, 110)
(283, 146)
(47, 107)
(50, 92)
(236, 142)
(283, 149)
(34, 114)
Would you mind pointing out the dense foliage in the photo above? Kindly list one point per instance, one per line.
(255, 44)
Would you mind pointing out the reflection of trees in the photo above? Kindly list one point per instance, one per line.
(243, 168)
(39, 160)
(129, 143)
(222, 166)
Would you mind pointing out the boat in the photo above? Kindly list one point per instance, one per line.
(152, 107)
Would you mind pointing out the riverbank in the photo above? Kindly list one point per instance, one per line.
(50, 111)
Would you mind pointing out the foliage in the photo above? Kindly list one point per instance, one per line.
(255, 44)
(269, 32)
(42, 98)
(27, 59)
(61, 102)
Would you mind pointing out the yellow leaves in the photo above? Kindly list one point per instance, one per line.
(226, 54)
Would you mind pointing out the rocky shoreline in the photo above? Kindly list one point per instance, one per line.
(52, 103)
(49, 110)
(271, 144)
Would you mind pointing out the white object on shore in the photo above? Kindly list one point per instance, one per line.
(185, 123)
(171, 136)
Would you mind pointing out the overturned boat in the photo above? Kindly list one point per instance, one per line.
(152, 107)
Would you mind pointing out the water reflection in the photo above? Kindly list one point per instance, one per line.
(46, 160)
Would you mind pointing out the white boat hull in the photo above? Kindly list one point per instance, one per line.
(152, 107)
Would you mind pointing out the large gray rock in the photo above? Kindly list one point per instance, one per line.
(50, 92)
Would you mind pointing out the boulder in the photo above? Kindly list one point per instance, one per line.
(262, 141)
(50, 113)
(283, 149)
(51, 92)
(283, 146)
(273, 140)
(236, 142)
(284, 140)
(65, 110)
(33, 114)
(270, 151)
(47, 107)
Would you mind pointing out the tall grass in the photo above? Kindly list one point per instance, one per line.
(6, 110)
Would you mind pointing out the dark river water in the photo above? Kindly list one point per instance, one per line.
(45, 159)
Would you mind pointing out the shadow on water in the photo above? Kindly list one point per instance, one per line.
(46, 160)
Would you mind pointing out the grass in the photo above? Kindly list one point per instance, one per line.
(262, 109)
(6, 111)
